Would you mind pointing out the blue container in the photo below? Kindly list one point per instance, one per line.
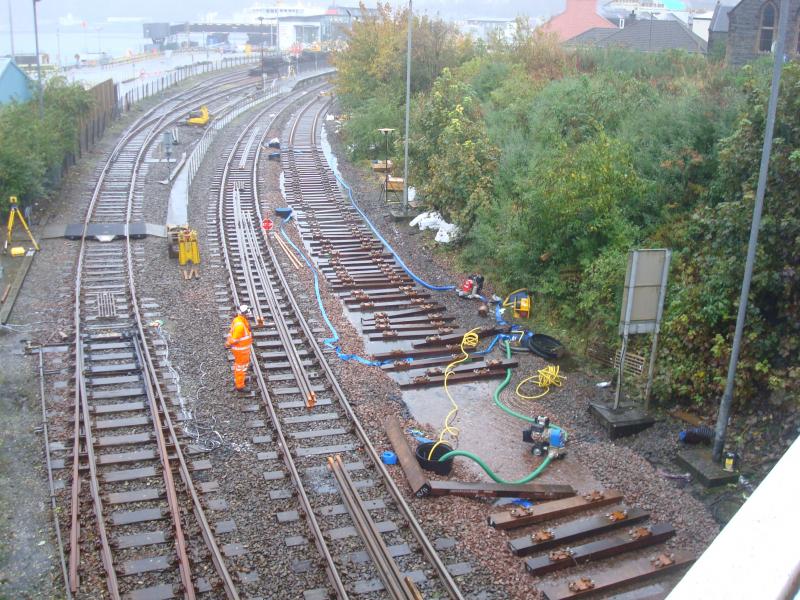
(556, 438)
(389, 458)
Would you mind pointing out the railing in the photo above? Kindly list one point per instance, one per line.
(125, 101)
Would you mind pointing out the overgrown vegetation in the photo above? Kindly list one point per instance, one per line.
(556, 163)
(35, 148)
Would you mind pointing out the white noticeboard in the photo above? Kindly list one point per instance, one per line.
(643, 305)
(645, 285)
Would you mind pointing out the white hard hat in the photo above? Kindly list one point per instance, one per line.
(244, 309)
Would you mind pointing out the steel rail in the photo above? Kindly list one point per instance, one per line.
(169, 484)
(49, 462)
(154, 392)
(419, 534)
(305, 502)
(388, 572)
(82, 411)
(397, 496)
(137, 127)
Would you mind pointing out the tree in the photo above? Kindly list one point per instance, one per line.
(452, 157)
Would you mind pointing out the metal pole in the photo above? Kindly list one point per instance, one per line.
(626, 325)
(38, 61)
(772, 108)
(11, 28)
(408, 112)
(654, 350)
(261, 22)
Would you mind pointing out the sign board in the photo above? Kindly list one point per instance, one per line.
(645, 286)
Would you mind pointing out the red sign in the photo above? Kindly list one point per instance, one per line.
(267, 224)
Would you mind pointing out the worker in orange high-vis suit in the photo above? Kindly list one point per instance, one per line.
(240, 340)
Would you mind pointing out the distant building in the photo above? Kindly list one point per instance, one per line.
(651, 35)
(578, 16)
(753, 29)
(718, 31)
(14, 83)
(483, 29)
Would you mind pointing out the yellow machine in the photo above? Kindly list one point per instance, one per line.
(198, 117)
(519, 302)
(188, 250)
(12, 216)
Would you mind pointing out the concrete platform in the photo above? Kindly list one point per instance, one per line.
(700, 464)
(625, 420)
(398, 214)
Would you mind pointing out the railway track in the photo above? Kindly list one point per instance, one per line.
(150, 527)
(322, 472)
(399, 318)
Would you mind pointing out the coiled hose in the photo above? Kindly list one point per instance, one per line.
(533, 474)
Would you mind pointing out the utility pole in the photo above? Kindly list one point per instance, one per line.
(261, 27)
(772, 108)
(38, 61)
(11, 28)
(408, 112)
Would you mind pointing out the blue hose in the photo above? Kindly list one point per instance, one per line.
(331, 342)
(430, 286)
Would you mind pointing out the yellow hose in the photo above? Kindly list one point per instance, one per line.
(545, 378)
(470, 340)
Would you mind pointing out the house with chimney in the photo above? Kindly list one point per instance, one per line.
(578, 17)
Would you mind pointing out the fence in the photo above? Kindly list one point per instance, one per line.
(126, 100)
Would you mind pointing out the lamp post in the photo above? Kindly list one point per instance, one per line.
(11, 29)
(772, 108)
(261, 27)
(386, 131)
(408, 109)
(38, 61)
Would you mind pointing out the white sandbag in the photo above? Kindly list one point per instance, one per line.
(428, 220)
(447, 233)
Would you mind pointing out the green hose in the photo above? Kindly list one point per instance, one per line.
(513, 413)
(490, 473)
(534, 474)
(502, 386)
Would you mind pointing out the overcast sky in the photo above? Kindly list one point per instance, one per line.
(102, 18)
(98, 11)
(73, 12)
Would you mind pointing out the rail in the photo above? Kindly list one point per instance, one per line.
(123, 168)
(252, 266)
(127, 100)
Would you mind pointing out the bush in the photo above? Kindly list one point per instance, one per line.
(34, 147)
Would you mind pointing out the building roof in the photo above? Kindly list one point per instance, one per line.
(13, 82)
(720, 21)
(578, 16)
(4, 62)
(645, 36)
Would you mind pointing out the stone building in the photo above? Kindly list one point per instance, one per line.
(753, 30)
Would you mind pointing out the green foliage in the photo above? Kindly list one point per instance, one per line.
(33, 146)
(453, 158)
(556, 164)
(371, 72)
(702, 313)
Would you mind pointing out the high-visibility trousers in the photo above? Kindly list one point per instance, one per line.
(241, 362)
